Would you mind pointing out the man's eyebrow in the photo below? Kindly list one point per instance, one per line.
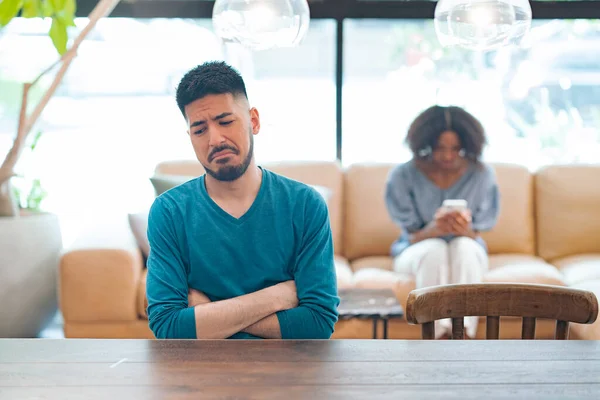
(196, 123)
(222, 115)
(218, 117)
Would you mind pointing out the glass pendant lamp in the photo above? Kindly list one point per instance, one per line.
(261, 24)
(482, 24)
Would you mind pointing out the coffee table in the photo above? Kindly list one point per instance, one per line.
(376, 304)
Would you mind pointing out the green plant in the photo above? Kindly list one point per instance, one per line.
(62, 13)
(28, 190)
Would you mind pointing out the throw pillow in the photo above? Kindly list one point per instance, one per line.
(162, 183)
(138, 222)
(323, 191)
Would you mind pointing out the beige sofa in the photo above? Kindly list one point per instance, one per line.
(548, 232)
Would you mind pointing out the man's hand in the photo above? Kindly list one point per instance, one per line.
(196, 297)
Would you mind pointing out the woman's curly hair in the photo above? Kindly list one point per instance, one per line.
(425, 130)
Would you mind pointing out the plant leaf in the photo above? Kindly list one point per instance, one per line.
(8, 9)
(35, 140)
(47, 8)
(58, 4)
(58, 34)
(31, 8)
(36, 196)
(70, 7)
(67, 20)
(65, 11)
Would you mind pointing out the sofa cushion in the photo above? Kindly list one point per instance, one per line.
(567, 212)
(378, 272)
(319, 174)
(515, 229)
(100, 285)
(369, 231)
(532, 272)
(138, 222)
(520, 268)
(385, 263)
(587, 331)
(584, 267)
(162, 183)
(345, 278)
(502, 260)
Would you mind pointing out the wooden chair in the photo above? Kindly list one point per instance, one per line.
(495, 300)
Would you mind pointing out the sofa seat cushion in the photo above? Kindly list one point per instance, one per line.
(381, 262)
(343, 272)
(502, 260)
(376, 278)
(580, 268)
(496, 260)
(587, 331)
(525, 271)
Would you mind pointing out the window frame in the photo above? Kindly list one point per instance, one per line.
(338, 10)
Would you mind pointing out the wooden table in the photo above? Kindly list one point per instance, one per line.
(335, 369)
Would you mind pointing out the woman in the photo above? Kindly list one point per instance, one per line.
(438, 246)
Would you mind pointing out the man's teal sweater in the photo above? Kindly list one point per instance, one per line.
(195, 244)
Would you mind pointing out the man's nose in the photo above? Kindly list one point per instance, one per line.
(215, 137)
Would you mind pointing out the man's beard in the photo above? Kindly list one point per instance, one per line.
(229, 173)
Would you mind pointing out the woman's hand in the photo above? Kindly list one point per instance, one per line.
(440, 225)
(459, 223)
(446, 223)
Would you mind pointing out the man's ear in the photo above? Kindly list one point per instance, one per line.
(254, 120)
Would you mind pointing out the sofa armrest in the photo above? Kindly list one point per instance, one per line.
(99, 275)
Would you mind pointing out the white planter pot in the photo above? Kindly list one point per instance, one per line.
(30, 250)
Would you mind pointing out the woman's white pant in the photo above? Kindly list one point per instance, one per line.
(436, 262)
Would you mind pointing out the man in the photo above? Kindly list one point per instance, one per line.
(239, 252)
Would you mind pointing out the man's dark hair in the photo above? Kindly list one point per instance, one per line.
(425, 130)
(213, 77)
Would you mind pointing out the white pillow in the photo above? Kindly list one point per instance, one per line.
(325, 192)
(162, 183)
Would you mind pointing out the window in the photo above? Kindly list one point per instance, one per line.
(539, 105)
(115, 117)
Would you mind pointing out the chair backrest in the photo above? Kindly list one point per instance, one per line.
(494, 300)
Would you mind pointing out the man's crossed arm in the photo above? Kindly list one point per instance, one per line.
(266, 327)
